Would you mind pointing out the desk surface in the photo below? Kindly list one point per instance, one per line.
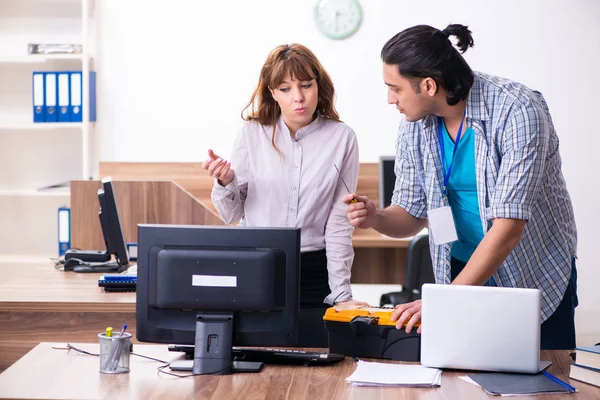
(78, 377)
(39, 288)
(370, 238)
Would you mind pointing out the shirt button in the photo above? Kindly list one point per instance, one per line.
(293, 187)
(297, 146)
(295, 166)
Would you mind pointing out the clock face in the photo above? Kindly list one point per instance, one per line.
(337, 19)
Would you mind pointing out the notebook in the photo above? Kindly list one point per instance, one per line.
(481, 328)
(505, 384)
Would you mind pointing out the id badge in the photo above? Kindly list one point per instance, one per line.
(441, 225)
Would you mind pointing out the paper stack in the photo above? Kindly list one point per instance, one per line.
(383, 374)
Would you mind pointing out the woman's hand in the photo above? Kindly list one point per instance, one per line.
(351, 304)
(219, 168)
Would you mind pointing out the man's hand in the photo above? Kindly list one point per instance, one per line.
(409, 312)
(219, 168)
(361, 213)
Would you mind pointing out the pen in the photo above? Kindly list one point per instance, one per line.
(560, 382)
(114, 355)
(122, 330)
(346, 186)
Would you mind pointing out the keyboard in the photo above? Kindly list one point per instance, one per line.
(272, 356)
(118, 283)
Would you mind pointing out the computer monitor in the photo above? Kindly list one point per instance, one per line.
(218, 287)
(112, 234)
(387, 180)
(111, 223)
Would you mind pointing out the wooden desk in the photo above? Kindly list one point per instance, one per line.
(378, 258)
(39, 303)
(78, 377)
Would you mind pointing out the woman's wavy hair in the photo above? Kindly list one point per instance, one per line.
(301, 64)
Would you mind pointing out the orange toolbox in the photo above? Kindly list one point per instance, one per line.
(369, 332)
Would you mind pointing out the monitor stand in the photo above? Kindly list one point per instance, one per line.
(212, 349)
(100, 267)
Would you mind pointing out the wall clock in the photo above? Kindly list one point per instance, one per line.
(337, 19)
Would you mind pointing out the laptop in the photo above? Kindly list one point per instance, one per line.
(481, 328)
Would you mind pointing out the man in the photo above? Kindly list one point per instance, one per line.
(477, 161)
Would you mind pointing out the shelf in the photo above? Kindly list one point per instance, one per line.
(39, 58)
(35, 193)
(39, 126)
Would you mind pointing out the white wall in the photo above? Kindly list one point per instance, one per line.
(174, 76)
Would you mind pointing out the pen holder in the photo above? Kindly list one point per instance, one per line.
(114, 353)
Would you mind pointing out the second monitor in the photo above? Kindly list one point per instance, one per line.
(112, 234)
(387, 180)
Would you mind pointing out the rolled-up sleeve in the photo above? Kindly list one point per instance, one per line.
(521, 172)
(338, 231)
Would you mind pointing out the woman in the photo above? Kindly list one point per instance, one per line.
(283, 173)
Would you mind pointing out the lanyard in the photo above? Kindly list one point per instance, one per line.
(441, 137)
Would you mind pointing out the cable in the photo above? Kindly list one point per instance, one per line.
(71, 347)
(160, 368)
(149, 358)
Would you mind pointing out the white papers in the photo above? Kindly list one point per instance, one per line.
(381, 374)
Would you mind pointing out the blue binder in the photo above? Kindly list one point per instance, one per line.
(38, 96)
(64, 95)
(92, 96)
(76, 86)
(64, 230)
(50, 97)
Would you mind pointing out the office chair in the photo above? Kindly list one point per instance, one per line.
(419, 270)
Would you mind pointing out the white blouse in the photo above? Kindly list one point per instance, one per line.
(300, 188)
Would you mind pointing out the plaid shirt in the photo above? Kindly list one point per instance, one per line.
(518, 171)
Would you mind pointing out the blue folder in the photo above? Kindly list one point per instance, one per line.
(37, 91)
(50, 97)
(64, 97)
(64, 230)
(76, 91)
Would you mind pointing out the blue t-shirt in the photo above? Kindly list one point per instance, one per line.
(462, 194)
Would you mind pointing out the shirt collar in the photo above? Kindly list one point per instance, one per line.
(476, 100)
(302, 132)
(475, 104)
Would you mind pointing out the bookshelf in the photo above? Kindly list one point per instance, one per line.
(36, 156)
(38, 58)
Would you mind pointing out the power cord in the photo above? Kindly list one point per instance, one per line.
(160, 368)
